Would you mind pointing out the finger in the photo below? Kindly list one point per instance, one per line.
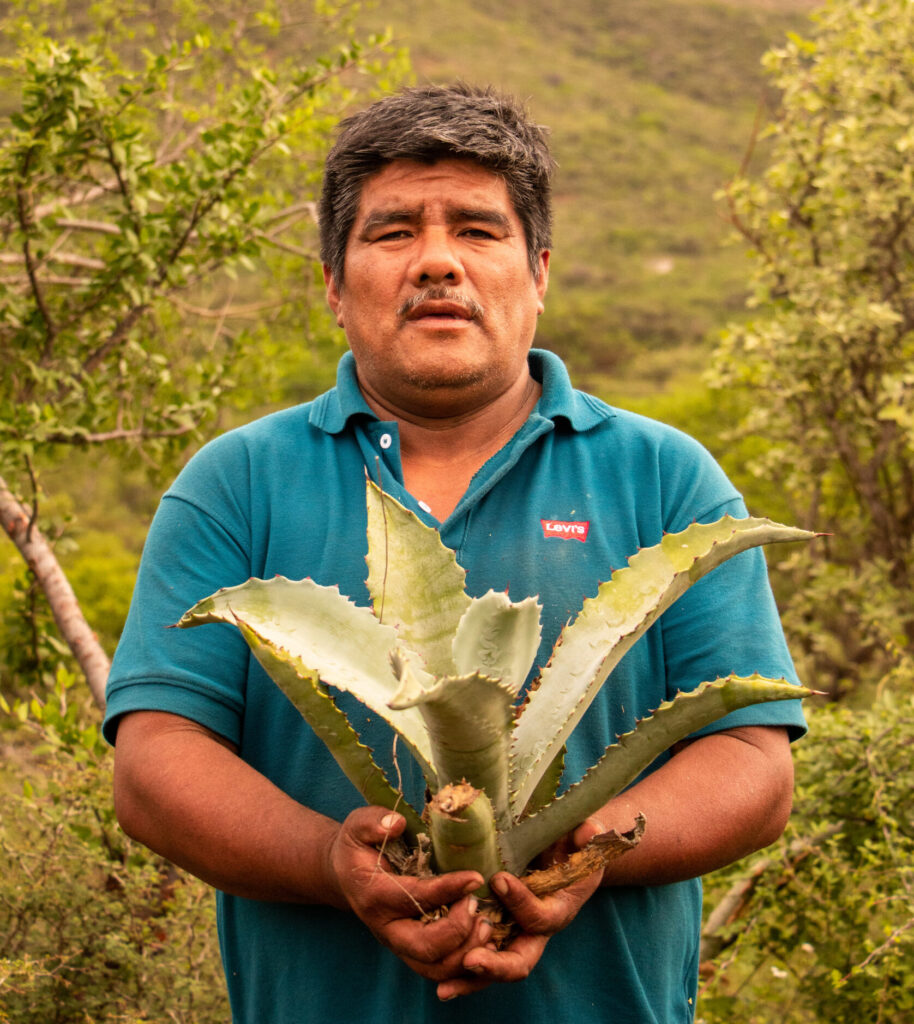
(463, 986)
(444, 941)
(546, 915)
(434, 963)
(383, 896)
(372, 825)
(530, 912)
(513, 963)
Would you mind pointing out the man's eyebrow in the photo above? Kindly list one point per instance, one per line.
(401, 215)
(382, 218)
(484, 214)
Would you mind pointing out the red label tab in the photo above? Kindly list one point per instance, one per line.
(566, 531)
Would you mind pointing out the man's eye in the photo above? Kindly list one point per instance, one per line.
(478, 233)
(389, 236)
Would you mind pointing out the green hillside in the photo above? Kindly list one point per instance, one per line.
(652, 105)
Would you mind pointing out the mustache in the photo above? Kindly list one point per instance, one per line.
(442, 293)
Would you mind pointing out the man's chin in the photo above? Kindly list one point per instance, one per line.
(445, 379)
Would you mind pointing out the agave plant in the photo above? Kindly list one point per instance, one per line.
(445, 670)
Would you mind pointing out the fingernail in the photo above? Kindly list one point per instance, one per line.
(475, 968)
(390, 821)
(485, 930)
(472, 905)
(500, 886)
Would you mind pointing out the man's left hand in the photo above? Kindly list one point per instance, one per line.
(537, 918)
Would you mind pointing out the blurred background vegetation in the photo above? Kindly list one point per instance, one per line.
(734, 254)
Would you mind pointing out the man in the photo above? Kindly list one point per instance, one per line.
(435, 222)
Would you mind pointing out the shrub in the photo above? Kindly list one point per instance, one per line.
(93, 927)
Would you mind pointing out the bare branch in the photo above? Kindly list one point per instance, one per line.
(286, 246)
(99, 226)
(120, 332)
(68, 282)
(88, 196)
(40, 558)
(292, 214)
(123, 434)
(734, 902)
(68, 259)
(26, 222)
(884, 948)
(251, 310)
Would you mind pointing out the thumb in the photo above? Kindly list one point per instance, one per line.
(373, 825)
(588, 828)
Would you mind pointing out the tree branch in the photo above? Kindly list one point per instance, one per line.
(26, 222)
(40, 558)
(734, 901)
(134, 434)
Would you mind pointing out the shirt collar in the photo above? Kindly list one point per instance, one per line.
(332, 410)
(559, 399)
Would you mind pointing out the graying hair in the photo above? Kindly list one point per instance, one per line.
(431, 123)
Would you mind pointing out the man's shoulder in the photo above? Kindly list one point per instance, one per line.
(640, 435)
(264, 437)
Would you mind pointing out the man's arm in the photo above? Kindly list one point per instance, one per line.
(183, 791)
(717, 799)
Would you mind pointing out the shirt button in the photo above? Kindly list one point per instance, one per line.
(386, 441)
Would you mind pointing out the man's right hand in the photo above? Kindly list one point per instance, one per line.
(184, 792)
(429, 923)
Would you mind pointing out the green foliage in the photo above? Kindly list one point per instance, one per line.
(92, 925)
(126, 195)
(31, 650)
(829, 933)
(157, 171)
(157, 175)
(827, 355)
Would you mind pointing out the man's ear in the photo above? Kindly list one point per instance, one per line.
(542, 279)
(334, 298)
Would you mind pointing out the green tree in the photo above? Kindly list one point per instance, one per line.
(821, 926)
(153, 204)
(826, 356)
(157, 238)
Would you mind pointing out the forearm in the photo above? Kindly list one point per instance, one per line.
(183, 792)
(718, 799)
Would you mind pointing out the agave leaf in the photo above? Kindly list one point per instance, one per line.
(303, 687)
(548, 785)
(624, 761)
(498, 638)
(469, 723)
(415, 582)
(609, 624)
(329, 634)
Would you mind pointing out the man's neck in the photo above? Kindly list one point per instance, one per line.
(440, 455)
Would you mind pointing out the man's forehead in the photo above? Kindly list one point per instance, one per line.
(413, 186)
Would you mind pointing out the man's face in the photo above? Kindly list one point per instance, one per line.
(438, 302)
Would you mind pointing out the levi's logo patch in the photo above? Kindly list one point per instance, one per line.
(565, 530)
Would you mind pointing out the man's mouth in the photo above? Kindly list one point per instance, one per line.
(428, 305)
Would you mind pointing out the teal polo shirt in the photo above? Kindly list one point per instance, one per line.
(570, 497)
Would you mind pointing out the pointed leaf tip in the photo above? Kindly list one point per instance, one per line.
(609, 624)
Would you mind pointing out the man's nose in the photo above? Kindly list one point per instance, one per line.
(436, 259)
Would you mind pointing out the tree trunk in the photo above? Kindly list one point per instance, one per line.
(40, 558)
